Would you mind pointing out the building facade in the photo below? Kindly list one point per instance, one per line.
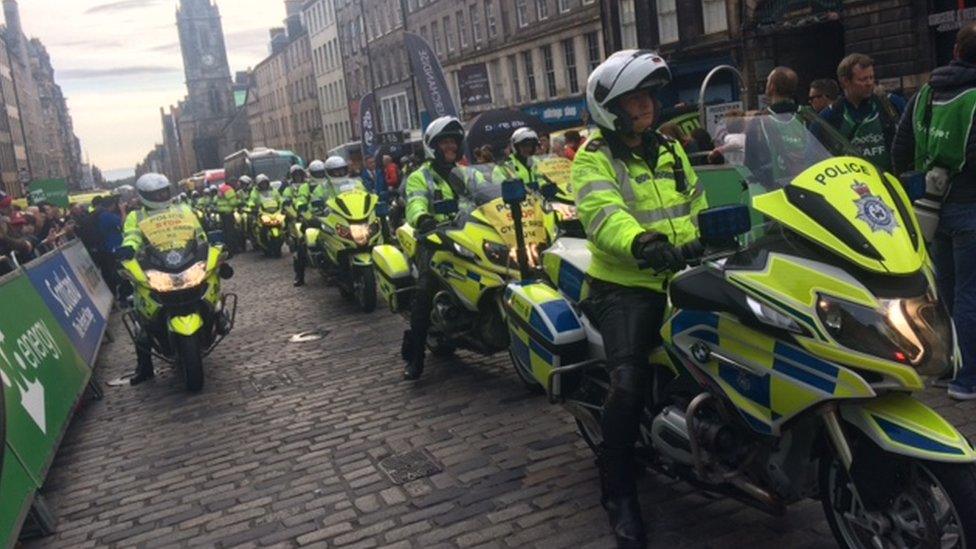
(319, 17)
(355, 58)
(57, 129)
(32, 156)
(283, 103)
(13, 147)
(906, 38)
(533, 55)
(206, 122)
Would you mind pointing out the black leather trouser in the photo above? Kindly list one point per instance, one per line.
(422, 300)
(630, 321)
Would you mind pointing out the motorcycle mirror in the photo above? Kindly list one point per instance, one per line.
(513, 191)
(549, 191)
(215, 237)
(446, 207)
(382, 208)
(717, 226)
(914, 183)
(225, 271)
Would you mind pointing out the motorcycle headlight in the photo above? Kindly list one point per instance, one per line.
(497, 253)
(174, 282)
(464, 252)
(913, 331)
(566, 212)
(360, 233)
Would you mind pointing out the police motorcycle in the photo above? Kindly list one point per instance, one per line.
(177, 298)
(792, 355)
(268, 226)
(341, 236)
(475, 256)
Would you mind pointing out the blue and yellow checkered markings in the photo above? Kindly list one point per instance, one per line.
(561, 316)
(908, 437)
(690, 319)
(570, 280)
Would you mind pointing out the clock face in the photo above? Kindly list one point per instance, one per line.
(209, 60)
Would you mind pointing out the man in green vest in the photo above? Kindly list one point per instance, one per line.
(439, 178)
(865, 114)
(226, 203)
(936, 136)
(777, 140)
(638, 198)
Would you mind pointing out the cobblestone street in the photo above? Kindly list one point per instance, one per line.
(284, 448)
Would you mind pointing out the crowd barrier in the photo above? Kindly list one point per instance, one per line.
(53, 315)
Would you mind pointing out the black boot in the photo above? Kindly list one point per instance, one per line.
(144, 367)
(413, 353)
(620, 498)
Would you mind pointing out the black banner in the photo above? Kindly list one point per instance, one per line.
(430, 77)
(473, 85)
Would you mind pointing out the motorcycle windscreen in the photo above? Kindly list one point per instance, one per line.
(171, 229)
(555, 170)
(352, 200)
(499, 215)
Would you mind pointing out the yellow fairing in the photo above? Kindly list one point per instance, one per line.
(852, 188)
(902, 425)
(768, 380)
(186, 325)
(407, 238)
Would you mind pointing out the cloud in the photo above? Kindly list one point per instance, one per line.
(120, 5)
(83, 74)
(172, 47)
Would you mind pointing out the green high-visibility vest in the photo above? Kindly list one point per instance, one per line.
(942, 135)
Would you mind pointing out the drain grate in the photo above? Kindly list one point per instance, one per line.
(270, 382)
(413, 465)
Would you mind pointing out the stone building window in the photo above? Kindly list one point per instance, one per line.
(569, 56)
(714, 16)
(667, 21)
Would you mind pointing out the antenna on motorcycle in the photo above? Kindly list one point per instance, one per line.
(513, 193)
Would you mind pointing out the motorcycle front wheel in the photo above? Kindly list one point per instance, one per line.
(364, 288)
(191, 362)
(934, 508)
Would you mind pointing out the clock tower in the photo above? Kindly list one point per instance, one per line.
(210, 97)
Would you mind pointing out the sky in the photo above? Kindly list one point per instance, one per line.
(118, 62)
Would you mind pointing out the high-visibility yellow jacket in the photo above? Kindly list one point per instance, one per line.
(620, 198)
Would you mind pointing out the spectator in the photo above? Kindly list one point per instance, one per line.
(823, 93)
(483, 155)
(85, 225)
(391, 172)
(543, 147)
(865, 114)
(946, 106)
(573, 141)
(557, 146)
(109, 224)
(10, 240)
(373, 178)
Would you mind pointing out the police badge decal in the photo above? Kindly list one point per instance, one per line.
(873, 211)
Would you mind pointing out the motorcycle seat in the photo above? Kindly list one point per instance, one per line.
(704, 289)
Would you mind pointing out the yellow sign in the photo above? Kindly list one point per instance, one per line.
(170, 230)
(499, 214)
(557, 170)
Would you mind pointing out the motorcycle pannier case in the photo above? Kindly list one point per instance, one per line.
(394, 278)
(545, 330)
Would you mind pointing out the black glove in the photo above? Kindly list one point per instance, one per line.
(426, 224)
(655, 250)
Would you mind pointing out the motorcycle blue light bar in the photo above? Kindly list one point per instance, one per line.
(719, 224)
(513, 191)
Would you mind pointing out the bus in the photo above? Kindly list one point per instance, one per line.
(273, 163)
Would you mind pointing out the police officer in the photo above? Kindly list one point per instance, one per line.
(518, 165)
(936, 136)
(439, 178)
(156, 195)
(637, 197)
(226, 203)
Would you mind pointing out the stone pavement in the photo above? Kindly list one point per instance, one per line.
(283, 448)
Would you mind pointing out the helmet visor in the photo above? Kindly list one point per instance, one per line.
(159, 195)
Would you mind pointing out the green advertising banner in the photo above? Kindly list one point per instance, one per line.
(16, 490)
(54, 191)
(42, 377)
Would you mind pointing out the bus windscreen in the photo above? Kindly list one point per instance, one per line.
(276, 168)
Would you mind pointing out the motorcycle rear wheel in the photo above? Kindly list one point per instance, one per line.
(936, 508)
(191, 362)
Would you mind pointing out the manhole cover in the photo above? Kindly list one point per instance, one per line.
(402, 468)
(303, 337)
